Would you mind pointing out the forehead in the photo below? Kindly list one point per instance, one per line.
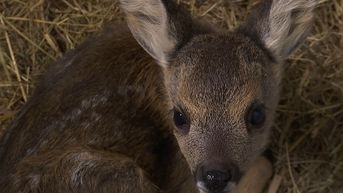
(220, 68)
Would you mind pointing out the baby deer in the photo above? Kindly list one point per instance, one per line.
(107, 118)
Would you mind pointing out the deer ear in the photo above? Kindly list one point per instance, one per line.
(159, 26)
(280, 25)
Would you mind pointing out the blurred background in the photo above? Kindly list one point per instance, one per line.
(307, 139)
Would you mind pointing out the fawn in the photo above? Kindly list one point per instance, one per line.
(107, 118)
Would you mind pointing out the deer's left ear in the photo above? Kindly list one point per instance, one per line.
(159, 26)
(280, 25)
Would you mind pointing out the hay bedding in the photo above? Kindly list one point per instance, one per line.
(308, 134)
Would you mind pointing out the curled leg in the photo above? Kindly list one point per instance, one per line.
(79, 170)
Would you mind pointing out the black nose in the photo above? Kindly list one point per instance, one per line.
(216, 175)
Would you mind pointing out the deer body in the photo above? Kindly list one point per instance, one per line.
(93, 109)
(107, 118)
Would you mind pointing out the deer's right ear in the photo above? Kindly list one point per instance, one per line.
(280, 25)
(158, 26)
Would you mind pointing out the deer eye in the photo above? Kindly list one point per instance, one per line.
(256, 116)
(181, 121)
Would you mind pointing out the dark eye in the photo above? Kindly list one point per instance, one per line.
(181, 121)
(256, 116)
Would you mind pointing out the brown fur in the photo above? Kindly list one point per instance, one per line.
(100, 119)
(75, 113)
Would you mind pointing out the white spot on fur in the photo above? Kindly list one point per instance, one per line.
(84, 162)
(34, 180)
(60, 123)
(75, 113)
(69, 62)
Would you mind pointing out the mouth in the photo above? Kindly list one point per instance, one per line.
(228, 188)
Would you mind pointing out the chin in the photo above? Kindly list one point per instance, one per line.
(229, 188)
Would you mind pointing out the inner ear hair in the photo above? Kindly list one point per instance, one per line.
(280, 25)
(147, 20)
(289, 23)
(159, 26)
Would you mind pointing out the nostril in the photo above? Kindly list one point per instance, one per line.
(215, 176)
(216, 180)
(219, 176)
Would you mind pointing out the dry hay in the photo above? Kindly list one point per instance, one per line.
(308, 134)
